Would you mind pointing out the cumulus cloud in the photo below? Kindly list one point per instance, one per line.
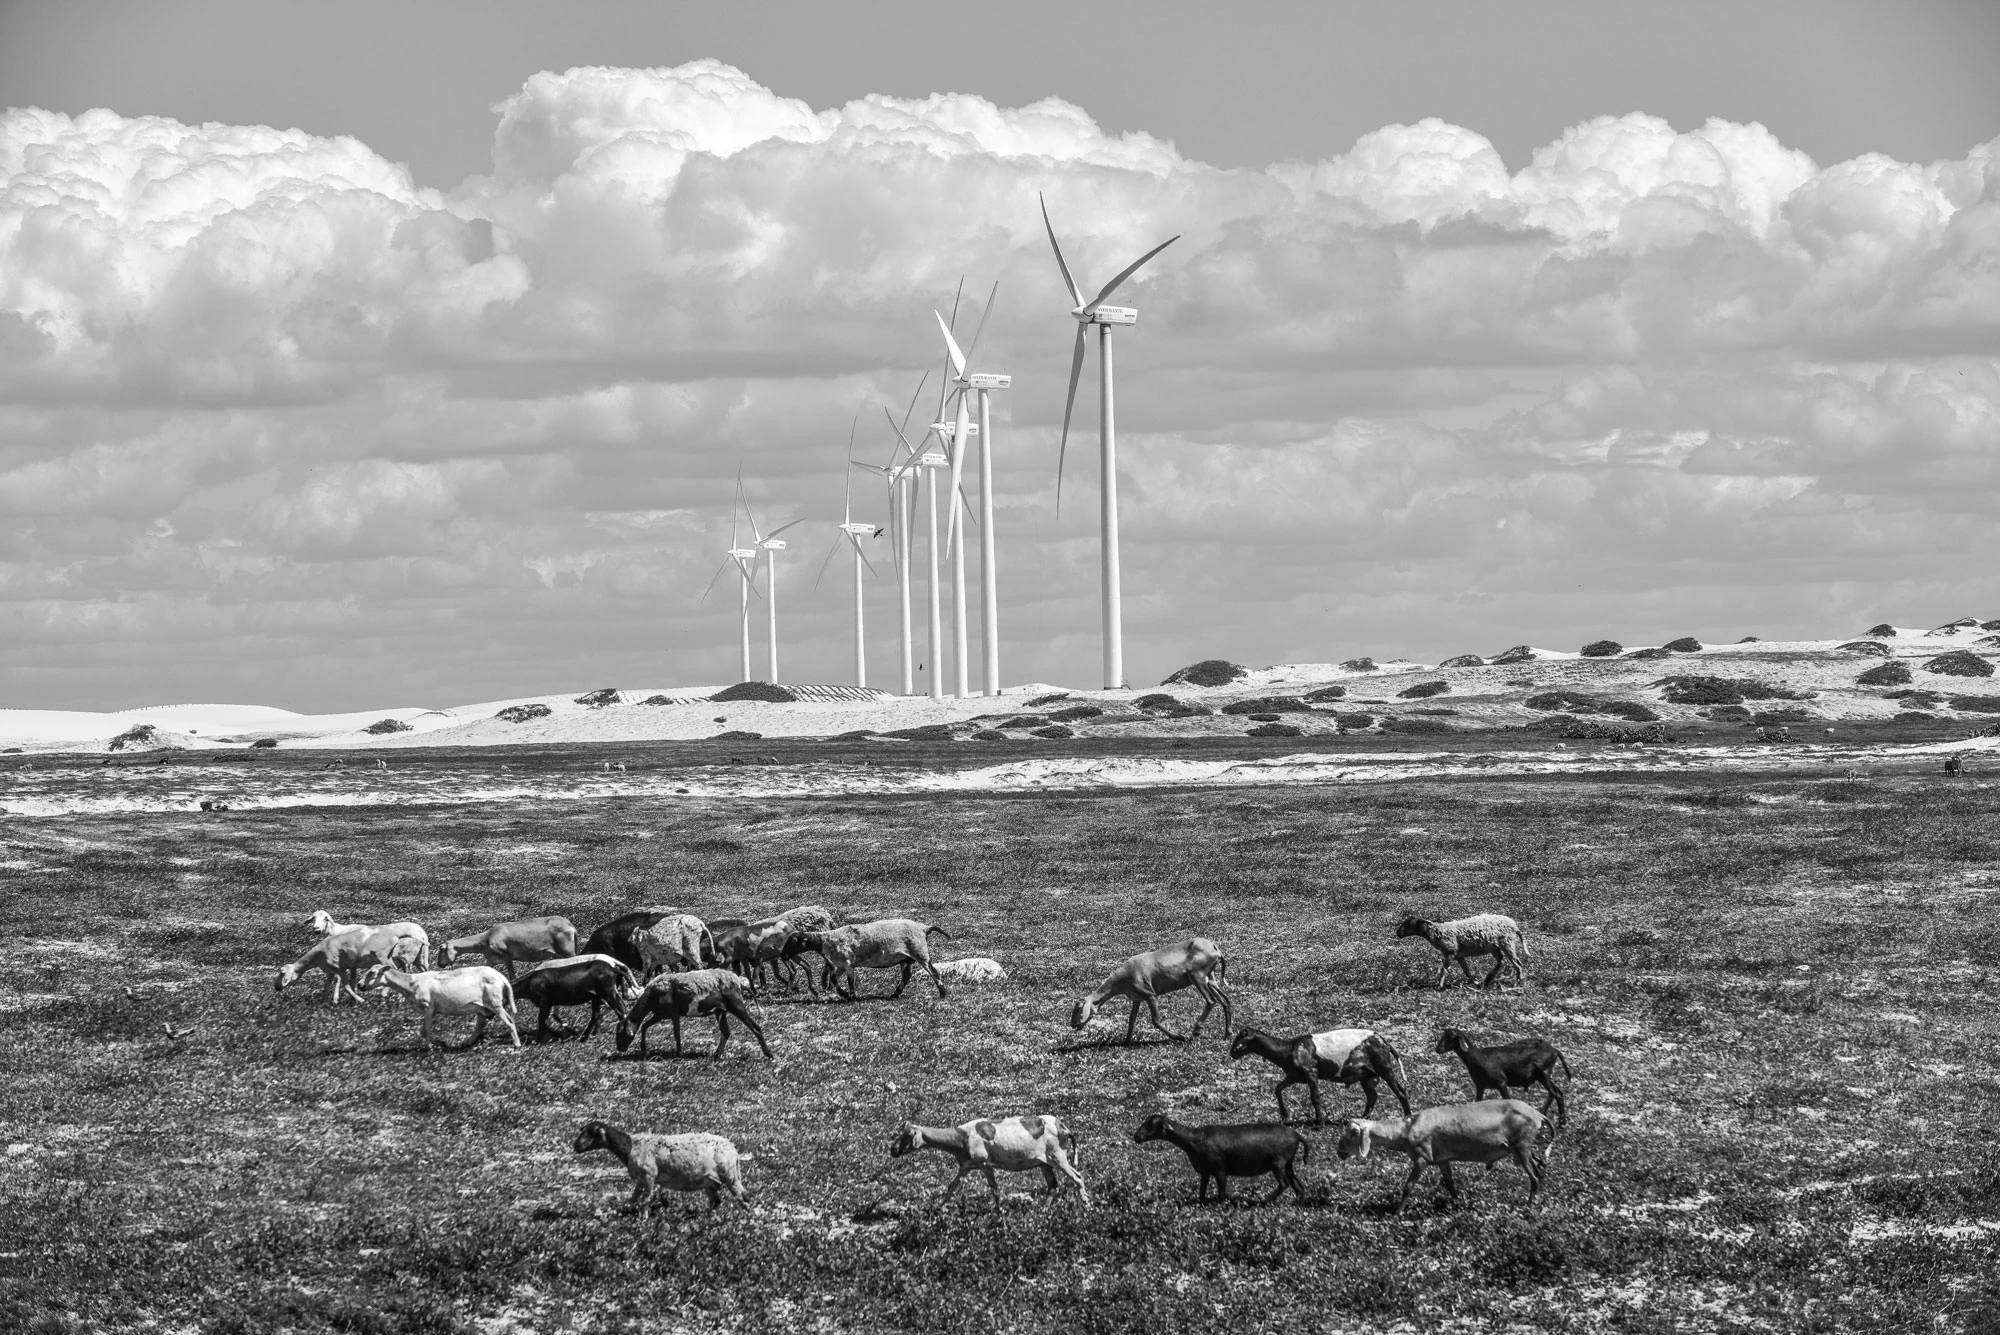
(262, 388)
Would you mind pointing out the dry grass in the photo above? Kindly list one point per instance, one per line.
(1777, 1004)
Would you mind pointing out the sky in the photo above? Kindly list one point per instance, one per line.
(383, 355)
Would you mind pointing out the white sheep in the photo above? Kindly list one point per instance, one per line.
(1485, 1133)
(1149, 975)
(323, 924)
(477, 991)
(343, 955)
(886, 943)
(674, 944)
(696, 1161)
(971, 969)
(1493, 934)
(1010, 1144)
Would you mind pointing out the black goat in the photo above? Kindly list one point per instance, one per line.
(1509, 1066)
(1245, 1149)
(614, 938)
(598, 982)
(1346, 1056)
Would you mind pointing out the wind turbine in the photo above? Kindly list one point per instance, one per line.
(896, 474)
(1086, 314)
(770, 545)
(927, 463)
(853, 533)
(983, 382)
(745, 560)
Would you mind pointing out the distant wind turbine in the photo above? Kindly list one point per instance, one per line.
(745, 561)
(896, 474)
(967, 382)
(1086, 314)
(852, 533)
(771, 546)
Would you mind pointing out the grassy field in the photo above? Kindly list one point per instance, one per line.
(1776, 994)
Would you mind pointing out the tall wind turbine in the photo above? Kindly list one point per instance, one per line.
(896, 474)
(1086, 314)
(968, 381)
(745, 561)
(927, 463)
(852, 533)
(770, 545)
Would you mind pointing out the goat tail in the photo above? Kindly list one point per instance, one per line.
(940, 931)
(1521, 944)
(1067, 1141)
(1564, 1061)
(506, 994)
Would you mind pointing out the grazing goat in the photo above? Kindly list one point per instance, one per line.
(1507, 1066)
(1461, 939)
(697, 1161)
(524, 942)
(1148, 976)
(614, 938)
(478, 991)
(971, 969)
(322, 923)
(596, 979)
(672, 996)
(886, 943)
(674, 944)
(1457, 1133)
(1347, 1056)
(1012, 1145)
(748, 947)
(342, 957)
(1220, 1152)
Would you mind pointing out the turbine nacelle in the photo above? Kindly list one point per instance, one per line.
(933, 459)
(983, 380)
(745, 553)
(947, 430)
(862, 530)
(773, 544)
(1105, 315)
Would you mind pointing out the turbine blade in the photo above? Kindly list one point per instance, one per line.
(864, 556)
(748, 570)
(794, 524)
(1130, 269)
(1075, 297)
(716, 576)
(972, 348)
(847, 475)
(739, 502)
(951, 345)
(909, 412)
(831, 549)
(1075, 370)
(958, 453)
(868, 468)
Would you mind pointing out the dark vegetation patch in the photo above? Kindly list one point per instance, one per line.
(1041, 700)
(1885, 674)
(1686, 644)
(523, 713)
(1706, 690)
(1659, 652)
(1276, 730)
(1915, 716)
(1325, 695)
(1884, 629)
(1916, 697)
(264, 743)
(1463, 661)
(1208, 672)
(989, 735)
(1875, 647)
(383, 727)
(762, 691)
(1074, 713)
(1267, 704)
(1157, 700)
(1581, 702)
(1055, 732)
(1353, 719)
(1440, 713)
(923, 732)
(1602, 649)
(1424, 690)
(599, 698)
(1416, 725)
(140, 735)
(1766, 718)
(1026, 721)
(1960, 663)
(1359, 665)
(1520, 653)
(1976, 704)
(738, 735)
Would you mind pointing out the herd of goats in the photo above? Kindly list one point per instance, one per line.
(662, 964)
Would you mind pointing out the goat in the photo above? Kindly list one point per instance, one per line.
(1223, 1151)
(478, 991)
(1012, 1145)
(971, 969)
(1504, 1066)
(1152, 974)
(1348, 1056)
(747, 947)
(1954, 765)
(322, 922)
(676, 943)
(597, 979)
(672, 996)
(1457, 1133)
(614, 938)
(696, 1161)
(886, 943)
(508, 943)
(1493, 934)
(342, 956)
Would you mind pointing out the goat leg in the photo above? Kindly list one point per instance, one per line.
(1132, 1021)
(1499, 962)
(904, 983)
(1153, 1012)
(722, 1023)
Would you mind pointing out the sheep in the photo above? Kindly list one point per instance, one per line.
(322, 923)
(1456, 1133)
(508, 943)
(747, 947)
(477, 991)
(1225, 1150)
(716, 992)
(1503, 1066)
(886, 943)
(1344, 1055)
(342, 956)
(674, 944)
(614, 938)
(1493, 934)
(971, 969)
(696, 1161)
(1199, 964)
(1012, 1144)
(599, 980)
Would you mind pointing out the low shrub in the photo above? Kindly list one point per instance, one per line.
(657, 700)
(1699, 690)
(1562, 698)
(1074, 712)
(1954, 627)
(383, 727)
(1885, 629)
(523, 713)
(1603, 649)
(1055, 732)
(754, 690)
(1187, 711)
(1264, 718)
(1915, 699)
(1267, 704)
(1354, 719)
(1875, 647)
(1592, 730)
(263, 744)
(138, 735)
(599, 698)
(1976, 704)
(1359, 665)
(1960, 663)
(1986, 641)
(1631, 710)
(989, 735)
(857, 735)
(1770, 718)
(1440, 713)
(1885, 674)
(1915, 716)
(1520, 653)
(1424, 690)
(737, 735)
(1276, 730)
(1416, 725)
(1041, 700)
(1326, 695)
(1156, 701)
(1661, 652)
(1208, 672)
(1463, 660)
(1751, 639)
(923, 732)
(1024, 721)
(1686, 644)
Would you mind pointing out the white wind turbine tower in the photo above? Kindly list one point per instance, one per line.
(745, 560)
(927, 463)
(896, 474)
(852, 533)
(771, 546)
(1086, 314)
(983, 383)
